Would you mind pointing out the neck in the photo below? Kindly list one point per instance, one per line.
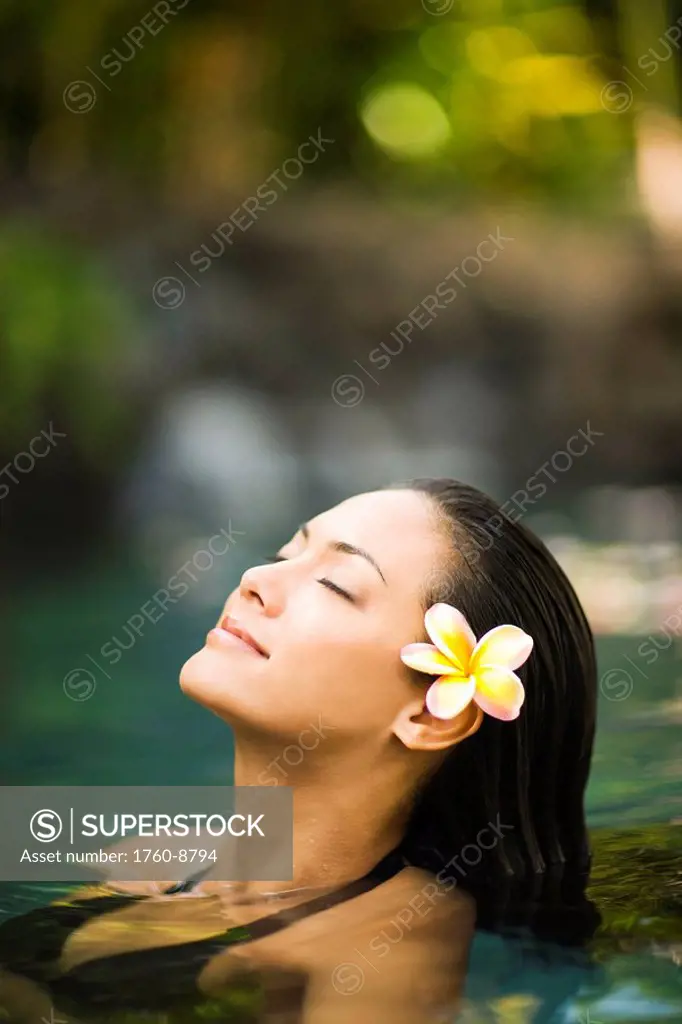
(346, 817)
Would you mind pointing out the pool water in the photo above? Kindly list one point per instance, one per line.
(137, 728)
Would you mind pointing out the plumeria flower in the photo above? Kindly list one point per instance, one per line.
(469, 670)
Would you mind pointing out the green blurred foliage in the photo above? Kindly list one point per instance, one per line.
(453, 101)
(515, 86)
(63, 324)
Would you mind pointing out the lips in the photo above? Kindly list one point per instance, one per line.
(229, 625)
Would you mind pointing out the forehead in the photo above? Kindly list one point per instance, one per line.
(399, 528)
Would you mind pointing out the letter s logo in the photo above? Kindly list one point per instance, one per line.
(45, 826)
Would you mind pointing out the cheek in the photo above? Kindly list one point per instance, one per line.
(342, 669)
(321, 641)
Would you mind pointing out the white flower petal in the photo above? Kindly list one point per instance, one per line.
(427, 658)
(445, 698)
(507, 646)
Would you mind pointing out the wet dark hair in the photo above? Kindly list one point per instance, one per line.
(527, 776)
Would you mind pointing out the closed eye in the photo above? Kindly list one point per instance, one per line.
(324, 581)
(337, 589)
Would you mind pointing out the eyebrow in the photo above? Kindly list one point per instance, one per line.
(346, 549)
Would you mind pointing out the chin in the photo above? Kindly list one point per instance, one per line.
(209, 678)
(203, 678)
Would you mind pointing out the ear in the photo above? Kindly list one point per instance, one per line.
(418, 729)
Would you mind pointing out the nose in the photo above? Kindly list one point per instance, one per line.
(258, 588)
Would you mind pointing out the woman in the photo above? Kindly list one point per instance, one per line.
(417, 814)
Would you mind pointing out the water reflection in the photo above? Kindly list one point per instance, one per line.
(403, 950)
(398, 952)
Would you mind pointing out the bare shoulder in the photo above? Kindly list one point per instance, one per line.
(410, 905)
(402, 946)
(406, 953)
(413, 899)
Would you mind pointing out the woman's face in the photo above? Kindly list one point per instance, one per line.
(332, 617)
